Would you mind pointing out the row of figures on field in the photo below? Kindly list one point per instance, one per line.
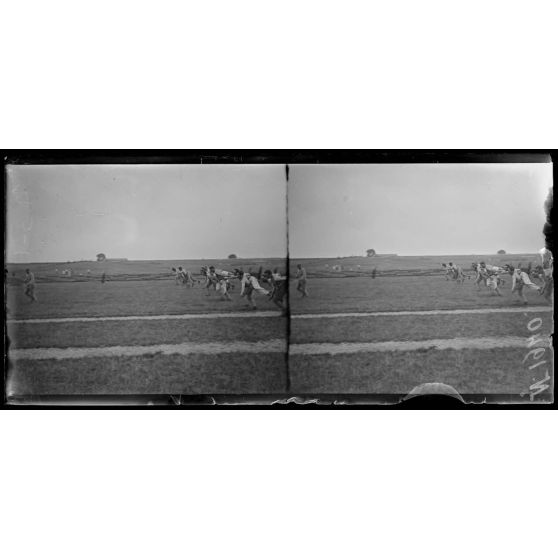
(250, 284)
(183, 277)
(222, 282)
(69, 273)
(491, 276)
(373, 274)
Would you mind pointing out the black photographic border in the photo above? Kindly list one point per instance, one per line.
(283, 401)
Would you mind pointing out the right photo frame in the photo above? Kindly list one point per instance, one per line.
(421, 279)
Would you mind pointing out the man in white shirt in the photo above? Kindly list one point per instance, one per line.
(249, 286)
(521, 279)
(210, 279)
(185, 277)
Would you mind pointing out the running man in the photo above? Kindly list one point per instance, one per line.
(29, 285)
(456, 273)
(452, 270)
(278, 294)
(301, 280)
(249, 286)
(223, 285)
(185, 277)
(210, 279)
(188, 278)
(493, 282)
(482, 275)
(521, 279)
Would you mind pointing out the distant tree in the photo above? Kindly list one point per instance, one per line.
(232, 256)
(101, 257)
(501, 252)
(370, 252)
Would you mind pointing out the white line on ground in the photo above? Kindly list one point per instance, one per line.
(221, 315)
(51, 353)
(426, 312)
(273, 314)
(438, 344)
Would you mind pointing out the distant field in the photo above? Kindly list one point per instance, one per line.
(403, 265)
(140, 333)
(364, 294)
(322, 267)
(121, 298)
(129, 270)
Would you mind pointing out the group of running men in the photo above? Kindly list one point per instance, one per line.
(221, 281)
(490, 276)
(181, 276)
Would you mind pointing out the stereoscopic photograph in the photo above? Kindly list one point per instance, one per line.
(332, 283)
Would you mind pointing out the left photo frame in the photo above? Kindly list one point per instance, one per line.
(145, 282)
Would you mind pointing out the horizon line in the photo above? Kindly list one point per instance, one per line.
(419, 255)
(124, 260)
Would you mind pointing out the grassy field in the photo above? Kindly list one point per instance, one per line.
(120, 298)
(356, 362)
(486, 351)
(409, 328)
(138, 290)
(492, 372)
(364, 294)
(153, 374)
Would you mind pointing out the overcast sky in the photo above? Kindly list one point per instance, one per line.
(342, 210)
(69, 212)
